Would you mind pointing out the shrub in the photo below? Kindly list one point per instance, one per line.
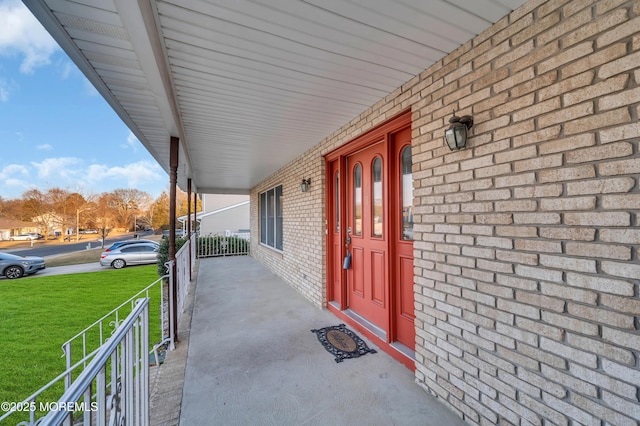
(163, 253)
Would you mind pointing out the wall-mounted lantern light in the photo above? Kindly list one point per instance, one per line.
(456, 134)
(305, 185)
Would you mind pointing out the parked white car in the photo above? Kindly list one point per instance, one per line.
(25, 237)
(88, 231)
(132, 254)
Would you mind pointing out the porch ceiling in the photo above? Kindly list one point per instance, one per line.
(249, 85)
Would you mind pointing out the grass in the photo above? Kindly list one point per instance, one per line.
(85, 256)
(40, 313)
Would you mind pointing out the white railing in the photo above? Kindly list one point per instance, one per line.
(33, 404)
(112, 321)
(193, 243)
(114, 387)
(183, 275)
(224, 244)
(109, 390)
(185, 266)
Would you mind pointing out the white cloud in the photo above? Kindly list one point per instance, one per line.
(132, 142)
(88, 87)
(17, 183)
(6, 88)
(57, 167)
(44, 147)
(13, 170)
(22, 34)
(67, 69)
(134, 174)
(71, 172)
(12, 178)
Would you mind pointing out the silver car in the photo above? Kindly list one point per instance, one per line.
(13, 266)
(25, 237)
(123, 243)
(131, 254)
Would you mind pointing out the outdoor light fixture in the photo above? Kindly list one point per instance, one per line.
(456, 134)
(305, 185)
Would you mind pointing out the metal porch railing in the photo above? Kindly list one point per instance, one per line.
(224, 244)
(106, 326)
(114, 387)
(183, 269)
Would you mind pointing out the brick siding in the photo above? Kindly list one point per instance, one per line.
(527, 242)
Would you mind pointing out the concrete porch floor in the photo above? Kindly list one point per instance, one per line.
(253, 360)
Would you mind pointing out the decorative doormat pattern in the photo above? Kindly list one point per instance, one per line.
(342, 342)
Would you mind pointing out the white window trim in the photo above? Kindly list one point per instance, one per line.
(275, 218)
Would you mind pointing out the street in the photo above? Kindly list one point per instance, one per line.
(46, 250)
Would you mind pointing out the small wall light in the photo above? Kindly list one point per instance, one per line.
(456, 134)
(305, 185)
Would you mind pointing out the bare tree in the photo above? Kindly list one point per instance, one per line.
(59, 208)
(38, 207)
(127, 205)
(13, 209)
(103, 214)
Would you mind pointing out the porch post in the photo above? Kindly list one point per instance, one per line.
(173, 181)
(189, 223)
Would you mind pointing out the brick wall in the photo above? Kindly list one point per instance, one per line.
(527, 242)
(301, 261)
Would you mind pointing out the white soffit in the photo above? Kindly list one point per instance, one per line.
(250, 85)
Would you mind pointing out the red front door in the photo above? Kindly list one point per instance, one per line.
(367, 239)
(370, 218)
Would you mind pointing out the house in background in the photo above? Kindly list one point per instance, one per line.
(221, 214)
(54, 224)
(506, 275)
(9, 227)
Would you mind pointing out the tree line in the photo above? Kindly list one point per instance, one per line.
(126, 209)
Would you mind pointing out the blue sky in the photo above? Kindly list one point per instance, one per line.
(55, 129)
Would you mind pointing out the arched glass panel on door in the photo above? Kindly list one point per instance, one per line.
(357, 200)
(406, 179)
(378, 212)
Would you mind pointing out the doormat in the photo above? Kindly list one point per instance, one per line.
(342, 343)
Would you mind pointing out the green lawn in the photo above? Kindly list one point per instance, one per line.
(39, 314)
